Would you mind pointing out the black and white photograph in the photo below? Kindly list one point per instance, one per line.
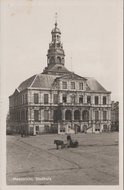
(62, 94)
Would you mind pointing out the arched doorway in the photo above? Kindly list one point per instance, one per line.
(105, 128)
(77, 128)
(68, 115)
(76, 115)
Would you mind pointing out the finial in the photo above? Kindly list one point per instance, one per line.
(56, 16)
(71, 63)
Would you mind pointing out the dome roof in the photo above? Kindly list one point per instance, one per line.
(56, 30)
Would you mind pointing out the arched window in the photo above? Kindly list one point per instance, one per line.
(76, 115)
(52, 60)
(59, 60)
(58, 37)
(68, 115)
(85, 115)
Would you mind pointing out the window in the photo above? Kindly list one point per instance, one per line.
(59, 68)
(58, 60)
(26, 98)
(52, 60)
(46, 115)
(36, 115)
(88, 99)
(17, 115)
(73, 99)
(26, 114)
(76, 115)
(85, 115)
(104, 115)
(81, 99)
(72, 85)
(55, 98)
(104, 100)
(45, 98)
(37, 128)
(36, 98)
(96, 100)
(47, 130)
(64, 98)
(22, 99)
(22, 115)
(96, 115)
(68, 115)
(64, 85)
(80, 86)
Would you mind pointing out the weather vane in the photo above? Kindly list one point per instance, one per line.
(56, 16)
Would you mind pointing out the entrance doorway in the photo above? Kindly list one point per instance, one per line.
(85, 128)
(105, 128)
(77, 128)
(37, 130)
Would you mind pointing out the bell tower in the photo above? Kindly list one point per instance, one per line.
(55, 53)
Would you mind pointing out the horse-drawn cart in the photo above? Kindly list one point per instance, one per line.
(69, 144)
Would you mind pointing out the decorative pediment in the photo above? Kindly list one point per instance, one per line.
(72, 76)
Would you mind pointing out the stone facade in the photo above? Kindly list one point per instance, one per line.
(58, 100)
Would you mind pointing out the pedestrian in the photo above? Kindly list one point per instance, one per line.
(69, 140)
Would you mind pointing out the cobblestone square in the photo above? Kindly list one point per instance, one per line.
(34, 160)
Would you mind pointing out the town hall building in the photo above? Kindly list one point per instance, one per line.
(58, 100)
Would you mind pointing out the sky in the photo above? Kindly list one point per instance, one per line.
(91, 35)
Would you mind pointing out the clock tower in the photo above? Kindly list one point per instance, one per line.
(55, 53)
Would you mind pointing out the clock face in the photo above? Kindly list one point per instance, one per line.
(52, 60)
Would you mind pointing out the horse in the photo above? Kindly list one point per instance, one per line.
(59, 143)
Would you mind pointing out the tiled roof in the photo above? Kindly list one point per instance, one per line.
(94, 85)
(26, 83)
(38, 81)
(44, 81)
(47, 80)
